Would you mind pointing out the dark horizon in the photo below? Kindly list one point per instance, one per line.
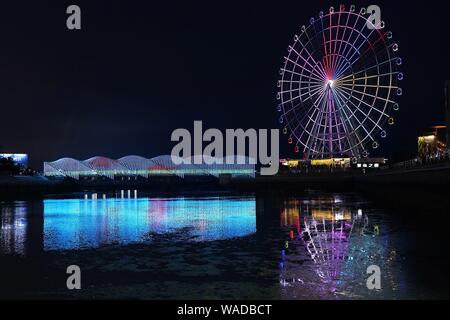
(138, 71)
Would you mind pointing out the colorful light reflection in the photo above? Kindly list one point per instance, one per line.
(329, 256)
(79, 224)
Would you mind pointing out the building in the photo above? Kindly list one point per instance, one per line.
(431, 143)
(140, 167)
(329, 163)
(339, 164)
(20, 159)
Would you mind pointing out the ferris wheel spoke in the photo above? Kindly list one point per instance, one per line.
(302, 75)
(371, 47)
(339, 59)
(325, 126)
(331, 44)
(368, 68)
(313, 106)
(314, 139)
(330, 112)
(333, 107)
(316, 72)
(299, 89)
(320, 70)
(339, 124)
(336, 52)
(369, 86)
(345, 27)
(352, 144)
(369, 95)
(305, 127)
(368, 50)
(367, 41)
(381, 54)
(314, 92)
(359, 33)
(342, 62)
(305, 69)
(316, 38)
(336, 40)
(361, 125)
(344, 67)
(327, 64)
(319, 91)
(300, 104)
(347, 41)
(368, 105)
(366, 115)
(353, 80)
(316, 83)
(319, 108)
(296, 106)
(343, 105)
(315, 127)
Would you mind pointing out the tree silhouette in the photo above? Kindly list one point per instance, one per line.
(8, 165)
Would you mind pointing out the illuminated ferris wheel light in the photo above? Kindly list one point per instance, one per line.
(338, 89)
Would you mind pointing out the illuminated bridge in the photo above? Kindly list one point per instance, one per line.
(136, 166)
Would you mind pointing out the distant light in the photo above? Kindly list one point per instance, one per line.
(19, 158)
(360, 213)
(429, 138)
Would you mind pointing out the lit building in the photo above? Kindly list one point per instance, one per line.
(291, 163)
(331, 163)
(432, 143)
(19, 158)
(136, 166)
(335, 163)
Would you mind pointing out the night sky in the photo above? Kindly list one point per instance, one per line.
(140, 69)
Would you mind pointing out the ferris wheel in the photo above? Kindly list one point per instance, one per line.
(338, 90)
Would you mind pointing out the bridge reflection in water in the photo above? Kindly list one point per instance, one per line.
(70, 224)
(67, 224)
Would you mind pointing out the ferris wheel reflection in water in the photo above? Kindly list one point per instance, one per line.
(330, 244)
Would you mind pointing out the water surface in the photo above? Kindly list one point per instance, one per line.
(312, 246)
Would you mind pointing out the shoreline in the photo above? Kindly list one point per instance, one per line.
(435, 178)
